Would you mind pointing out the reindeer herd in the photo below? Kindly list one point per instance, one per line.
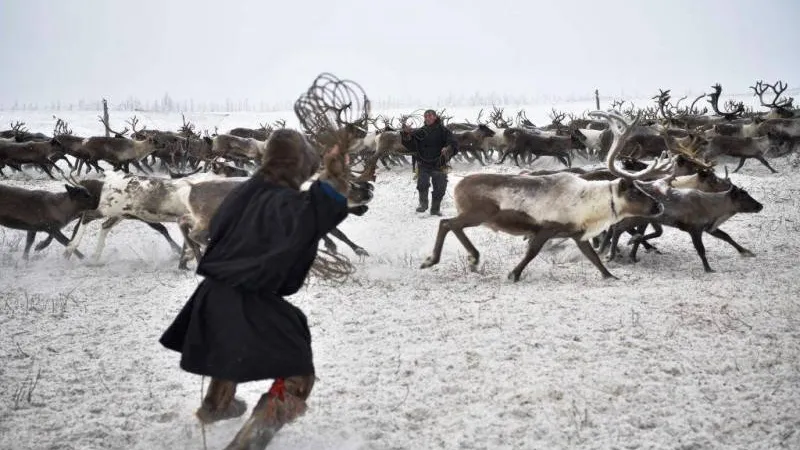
(679, 188)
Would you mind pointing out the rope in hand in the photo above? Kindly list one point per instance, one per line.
(332, 112)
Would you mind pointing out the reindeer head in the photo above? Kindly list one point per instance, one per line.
(633, 194)
(80, 195)
(336, 171)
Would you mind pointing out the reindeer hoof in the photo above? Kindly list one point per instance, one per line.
(430, 262)
(608, 276)
(361, 252)
(513, 276)
(748, 253)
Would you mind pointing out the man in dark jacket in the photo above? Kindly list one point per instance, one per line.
(428, 144)
(237, 327)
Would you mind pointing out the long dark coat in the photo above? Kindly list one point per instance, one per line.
(427, 143)
(263, 239)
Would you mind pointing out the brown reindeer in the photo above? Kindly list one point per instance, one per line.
(522, 143)
(523, 205)
(742, 148)
(37, 211)
(696, 212)
(42, 154)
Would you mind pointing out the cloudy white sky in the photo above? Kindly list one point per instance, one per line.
(271, 51)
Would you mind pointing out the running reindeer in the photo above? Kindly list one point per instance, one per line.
(522, 205)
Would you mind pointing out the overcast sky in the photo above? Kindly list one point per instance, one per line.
(271, 51)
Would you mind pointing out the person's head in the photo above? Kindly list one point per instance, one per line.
(289, 159)
(430, 117)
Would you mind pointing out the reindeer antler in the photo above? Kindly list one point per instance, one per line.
(733, 109)
(497, 118)
(522, 119)
(188, 128)
(133, 122)
(778, 88)
(557, 116)
(111, 131)
(61, 128)
(18, 127)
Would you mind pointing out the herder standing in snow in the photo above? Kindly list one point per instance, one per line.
(237, 327)
(428, 144)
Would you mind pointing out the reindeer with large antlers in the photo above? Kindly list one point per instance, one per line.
(522, 205)
(779, 107)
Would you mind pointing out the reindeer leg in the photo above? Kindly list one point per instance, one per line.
(64, 241)
(139, 167)
(658, 230)
(338, 234)
(44, 244)
(29, 238)
(502, 158)
(589, 253)
(600, 242)
(697, 240)
(535, 244)
(47, 171)
(189, 242)
(456, 225)
(77, 236)
(764, 162)
(105, 228)
(719, 234)
(616, 232)
(162, 230)
(741, 163)
(639, 231)
(329, 244)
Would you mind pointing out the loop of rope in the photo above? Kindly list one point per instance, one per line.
(330, 105)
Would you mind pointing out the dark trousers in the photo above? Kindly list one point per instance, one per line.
(428, 176)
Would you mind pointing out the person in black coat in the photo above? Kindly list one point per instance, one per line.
(428, 144)
(237, 326)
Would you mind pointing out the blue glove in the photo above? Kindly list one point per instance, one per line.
(328, 189)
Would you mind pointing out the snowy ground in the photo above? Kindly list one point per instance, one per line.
(666, 357)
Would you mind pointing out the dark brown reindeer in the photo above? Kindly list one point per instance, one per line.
(704, 180)
(696, 212)
(471, 142)
(742, 148)
(39, 211)
(41, 154)
(522, 143)
(119, 152)
(522, 205)
(19, 132)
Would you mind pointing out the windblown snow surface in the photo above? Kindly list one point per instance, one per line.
(665, 357)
